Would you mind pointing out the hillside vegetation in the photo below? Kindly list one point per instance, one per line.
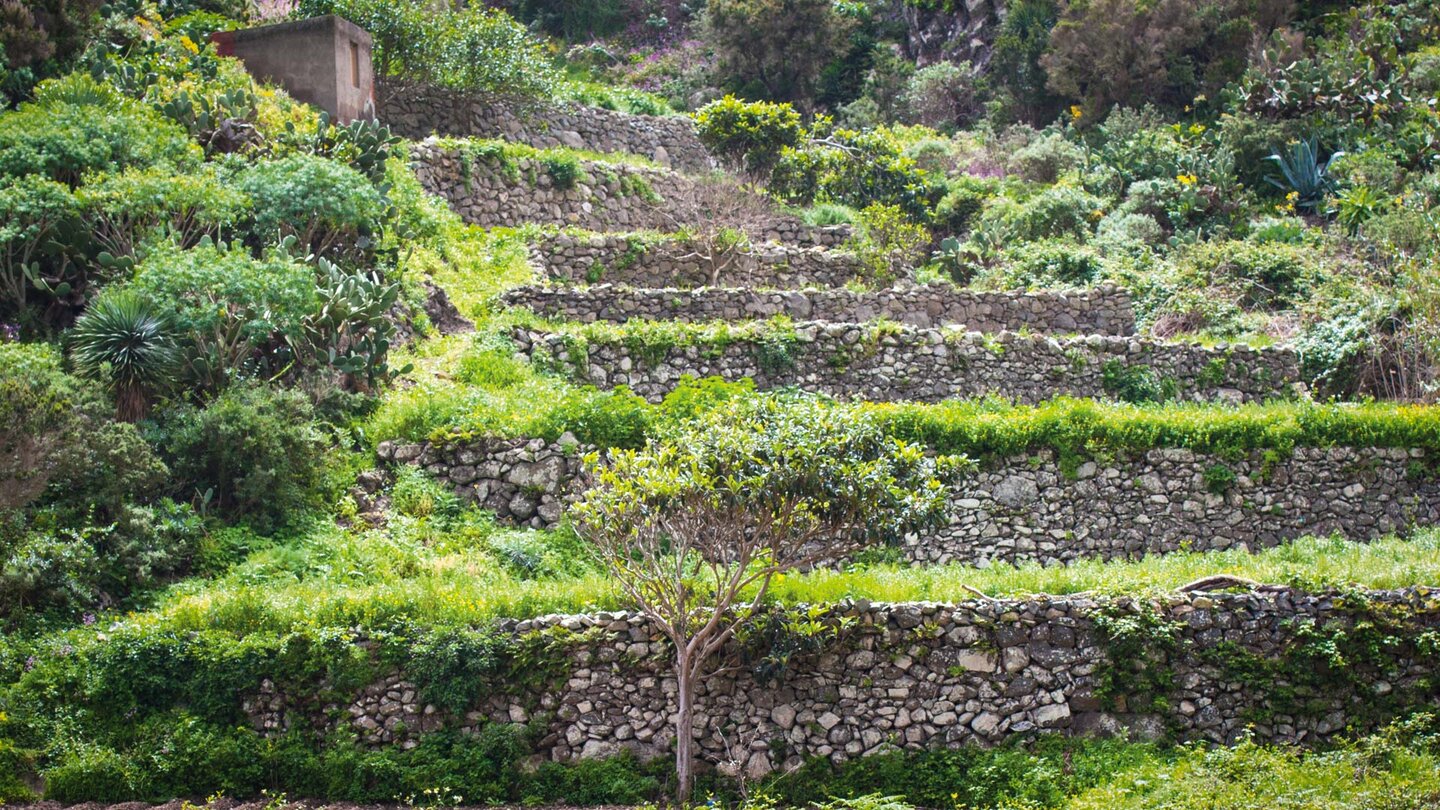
(217, 305)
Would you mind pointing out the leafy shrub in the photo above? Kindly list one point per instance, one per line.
(615, 418)
(1129, 231)
(419, 495)
(474, 48)
(56, 433)
(1047, 158)
(1057, 211)
(1045, 264)
(749, 134)
(41, 38)
(1256, 275)
(886, 242)
(774, 49)
(322, 203)
(824, 213)
(254, 454)
(963, 201)
(227, 307)
(37, 215)
(1135, 384)
(942, 96)
(1119, 52)
(92, 774)
(126, 210)
(857, 169)
(76, 126)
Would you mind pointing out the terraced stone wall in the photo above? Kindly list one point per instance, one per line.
(882, 364)
(629, 260)
(607, 197)
(417, 112)
(525, 482)
(1103, 312)
(1163, 500)
(923, 675)
(1036, 508)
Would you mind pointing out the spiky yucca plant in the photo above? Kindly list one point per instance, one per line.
(122, 341)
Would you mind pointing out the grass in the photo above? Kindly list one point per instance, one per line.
(1309, 564)
(464, 570)
(1377, 772)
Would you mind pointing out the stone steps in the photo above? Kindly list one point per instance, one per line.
(887, 363)
(1105, 311)
(642, 260)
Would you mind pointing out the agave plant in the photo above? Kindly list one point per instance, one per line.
(122, 341)
(1304, 174)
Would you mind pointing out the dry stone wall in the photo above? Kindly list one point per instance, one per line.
(525, 482)
(1164, 500)
(1034, 508)
(417, 112)
(636, 261)
(916, 676)
(489, 192)
(885, 364)
(1103, 312)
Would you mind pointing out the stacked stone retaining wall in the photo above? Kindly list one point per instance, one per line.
(885, 364)
(635, 261)
(916, 676)
(488, 192)
(417, 112)
(1034, 508)
(1103, 312)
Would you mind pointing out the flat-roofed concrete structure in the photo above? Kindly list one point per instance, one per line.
(323, 61)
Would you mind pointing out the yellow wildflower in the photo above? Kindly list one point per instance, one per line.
(1186, 179)
(188, 44)
(1196, 129)
(1076, 112)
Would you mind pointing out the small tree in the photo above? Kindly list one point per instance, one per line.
(693, 530)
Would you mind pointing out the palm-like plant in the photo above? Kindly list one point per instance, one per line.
(1304, 173)
(122, 341)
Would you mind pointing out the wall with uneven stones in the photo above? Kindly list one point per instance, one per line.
(417, 112)
(885, 364)
(922, 675)
(637, 262)
(1103, 312)
(525, 482)
(1034, 508)
(609, 197)
(1163, 500)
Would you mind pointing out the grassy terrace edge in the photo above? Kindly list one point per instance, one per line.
(978, 428)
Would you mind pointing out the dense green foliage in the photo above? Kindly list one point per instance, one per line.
(204, 284)
(473, 48)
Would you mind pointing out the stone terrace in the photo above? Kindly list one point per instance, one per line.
(1103, 312)
(884, 364)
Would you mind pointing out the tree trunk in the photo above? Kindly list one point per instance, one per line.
(684, 731)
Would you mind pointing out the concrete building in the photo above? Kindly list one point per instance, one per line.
(323, 61)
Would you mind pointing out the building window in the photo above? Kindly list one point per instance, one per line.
(355, 63)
